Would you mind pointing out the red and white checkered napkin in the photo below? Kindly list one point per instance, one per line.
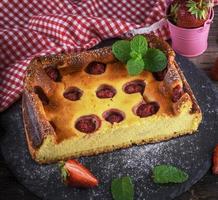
(30, 28)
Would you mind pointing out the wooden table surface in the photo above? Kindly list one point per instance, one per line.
(205, 189)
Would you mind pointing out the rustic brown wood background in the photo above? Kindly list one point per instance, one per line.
(205, 189)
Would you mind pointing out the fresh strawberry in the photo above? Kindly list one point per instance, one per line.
(75, 174)
(189, 13)
(215, 160)
(214, 71)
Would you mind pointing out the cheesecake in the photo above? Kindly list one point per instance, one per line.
(83, 104)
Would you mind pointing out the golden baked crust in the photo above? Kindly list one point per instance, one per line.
(50, 128)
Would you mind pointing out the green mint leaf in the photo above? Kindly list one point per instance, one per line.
(135, 66)
(155, 60)
(135, 55)
(121, 49)
(168, 174)
(139, 44)
(122, 188)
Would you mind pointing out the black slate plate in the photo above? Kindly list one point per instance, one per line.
(191, 153)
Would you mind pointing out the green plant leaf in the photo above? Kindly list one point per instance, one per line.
(122, 188)
(135, 66)
(174, 12)
(203, 14)
(139, 44)
(121, 49)
(64, 172)
(154, 60)
(135, 55)
(198, 8)
(168, 174)
(138, 56)
(174, 8)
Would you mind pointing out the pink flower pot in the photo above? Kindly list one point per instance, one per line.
(190, 42)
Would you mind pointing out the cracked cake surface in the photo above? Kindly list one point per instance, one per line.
(86, 103)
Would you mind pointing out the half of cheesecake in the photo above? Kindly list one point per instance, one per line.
(85, 104)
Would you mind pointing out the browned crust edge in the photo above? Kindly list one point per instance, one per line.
(187, 89)
(35, 125)
(31, 142)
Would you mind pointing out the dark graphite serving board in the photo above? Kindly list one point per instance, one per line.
(191, 153)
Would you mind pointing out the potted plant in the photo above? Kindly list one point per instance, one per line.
(189, 23)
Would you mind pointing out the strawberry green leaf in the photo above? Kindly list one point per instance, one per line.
(174, 9)
(135, 66)
(139, 44)
(198, 8)
(168, 174)
(121, 50)
(122, 188)
(64, 172)
(154, 60)
(203, 14)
